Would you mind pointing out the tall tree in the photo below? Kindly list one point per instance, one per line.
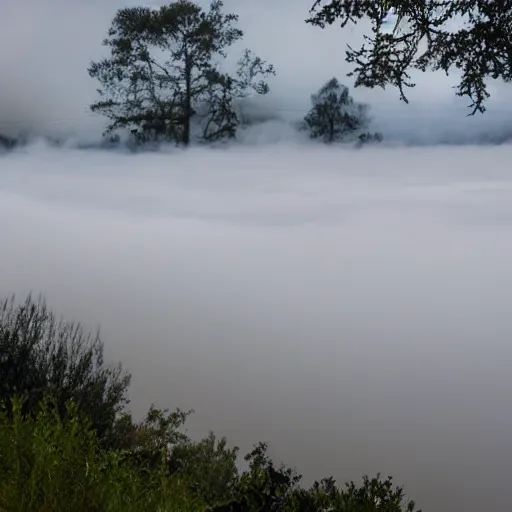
(221, 115)
(334, 114)
(163, 70)
(472, 36)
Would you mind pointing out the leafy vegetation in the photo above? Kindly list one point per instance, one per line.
(55, 454)
(335, 115)
(165, 77)
(425, 39)
(164, 73)
(40, 356)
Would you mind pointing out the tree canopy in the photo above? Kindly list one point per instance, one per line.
(164, 71)
(470, 36)
(335, 115)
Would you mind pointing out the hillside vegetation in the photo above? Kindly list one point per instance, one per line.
(69, 443)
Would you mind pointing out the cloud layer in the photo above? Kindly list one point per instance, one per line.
(350, 307)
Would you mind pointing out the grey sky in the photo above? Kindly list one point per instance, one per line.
(45, 48)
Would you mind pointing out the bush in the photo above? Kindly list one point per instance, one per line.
(48, 463)
(41, 356)
(67, 444)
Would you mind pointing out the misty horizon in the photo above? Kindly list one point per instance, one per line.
(46, 90)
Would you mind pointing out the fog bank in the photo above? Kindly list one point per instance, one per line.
(350, 307)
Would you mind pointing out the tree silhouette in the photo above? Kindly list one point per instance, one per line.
(163, 72)
(335, 115)
(41, 356)
(470, 36)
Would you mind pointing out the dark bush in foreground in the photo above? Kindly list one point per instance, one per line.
(60, 451)
(52, 464)
(40, 355)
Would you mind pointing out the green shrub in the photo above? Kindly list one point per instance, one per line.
(68, 444)
(49, 463)
(41, 356)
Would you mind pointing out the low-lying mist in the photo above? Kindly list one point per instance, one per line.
(350, 307)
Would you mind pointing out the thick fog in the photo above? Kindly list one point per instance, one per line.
(350, 307)
(46, 47)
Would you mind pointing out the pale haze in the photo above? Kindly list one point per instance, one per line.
(47, 45)
(350, 307)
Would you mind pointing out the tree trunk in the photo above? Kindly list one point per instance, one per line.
(331, 129)
(188, 99)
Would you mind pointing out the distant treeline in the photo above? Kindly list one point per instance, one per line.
(163, 82)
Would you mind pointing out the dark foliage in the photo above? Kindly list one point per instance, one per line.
(335, 115)
(163, 73)
(61, 405)
(264, 487)
(41, 356)
(7, 142)
(425, 39)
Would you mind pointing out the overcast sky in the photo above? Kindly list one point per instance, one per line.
(46, 46)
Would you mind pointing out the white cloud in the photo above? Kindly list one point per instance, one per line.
(350, 307)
